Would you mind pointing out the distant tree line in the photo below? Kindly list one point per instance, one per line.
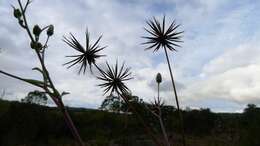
(36, 125)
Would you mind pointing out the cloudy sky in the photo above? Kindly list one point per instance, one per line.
(218, 65)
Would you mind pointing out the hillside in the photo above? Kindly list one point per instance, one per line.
(34, 125)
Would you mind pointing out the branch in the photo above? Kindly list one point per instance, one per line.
(24, 18)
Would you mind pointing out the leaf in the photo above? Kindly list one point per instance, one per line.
(42, 72)
(38, 69)
(64, 93)
(34, 82)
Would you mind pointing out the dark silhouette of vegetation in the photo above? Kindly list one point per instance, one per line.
(167, 39)
(35, 125)
(114, 104)
(87, 56)
(46, 84)
(31, 123)
(35, 97)
(156, 109)
(113, 78)
(114, 83)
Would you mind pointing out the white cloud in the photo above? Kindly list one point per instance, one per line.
(218, 60)
(239, 84)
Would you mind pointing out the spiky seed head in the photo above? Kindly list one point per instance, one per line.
(87, 56)
(158, 78)
(114, 79)
(37, 30)
(50, 30)
(162, 37)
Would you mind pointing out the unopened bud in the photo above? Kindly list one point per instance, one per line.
(36, 30)
(39, 45)
(33, 45)
(36, 45)
(21, 22)
(17, 13)
(50, 30)
(158, 78)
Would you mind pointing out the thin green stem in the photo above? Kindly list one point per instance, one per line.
(176, 98)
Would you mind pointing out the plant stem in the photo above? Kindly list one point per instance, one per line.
(158, 97)
(176, 98)
(159, 116)
(19, 78)
(70, 124)
(164, 131)
(147, 129)
(55, 95)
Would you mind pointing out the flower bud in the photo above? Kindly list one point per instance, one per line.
(38, 45)
(50, 30)
(33, 45)
(158, 78)
(17, 13)
(36, 30)
(21, 22)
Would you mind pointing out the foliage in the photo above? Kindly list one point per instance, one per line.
(35, 125)
(112, 103)
(35, 97)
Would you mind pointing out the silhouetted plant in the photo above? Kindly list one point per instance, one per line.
(39, 48)
(114, 78)
(167, 39)
(156, 110)
(111, 103)
(87, 56)
(158, 80)
(114, 82)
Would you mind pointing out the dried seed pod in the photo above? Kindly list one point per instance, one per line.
(17, 13)
(158, 78)
(50, 30)
(36, 30)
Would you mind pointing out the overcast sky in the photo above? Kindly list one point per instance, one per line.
(218, 65)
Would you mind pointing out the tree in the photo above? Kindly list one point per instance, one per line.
(115, 104)
(35, 97)
(111, 103)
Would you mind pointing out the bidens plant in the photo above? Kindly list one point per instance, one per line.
(113, 78)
